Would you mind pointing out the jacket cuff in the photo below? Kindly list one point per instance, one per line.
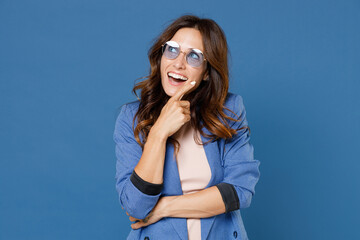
(229, 196)
(144, 186)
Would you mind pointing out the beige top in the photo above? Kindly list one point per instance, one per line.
(194, 171)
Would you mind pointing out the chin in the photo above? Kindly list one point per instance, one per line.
(168, 90)
(170, 93)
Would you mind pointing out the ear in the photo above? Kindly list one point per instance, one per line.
(206, 76)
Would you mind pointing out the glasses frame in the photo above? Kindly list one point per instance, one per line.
(185, 53)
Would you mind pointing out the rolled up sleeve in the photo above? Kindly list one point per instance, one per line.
(241, 170)
(136, 196)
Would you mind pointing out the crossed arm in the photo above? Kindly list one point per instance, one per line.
(240, 169)
(203, 204)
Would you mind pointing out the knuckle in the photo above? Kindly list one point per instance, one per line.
(185, 117)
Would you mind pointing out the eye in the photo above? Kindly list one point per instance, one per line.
(172, 49)
(194, 55)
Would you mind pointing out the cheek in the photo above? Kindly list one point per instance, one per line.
(198, 76)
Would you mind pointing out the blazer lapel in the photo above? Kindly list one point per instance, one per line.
(213, 155)
(173, 187)
(206, 224)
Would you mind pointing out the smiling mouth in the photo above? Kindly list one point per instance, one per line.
(176, 79)
(177, 76)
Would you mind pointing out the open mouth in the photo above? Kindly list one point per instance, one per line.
(176, 79)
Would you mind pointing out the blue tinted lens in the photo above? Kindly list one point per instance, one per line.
(194, 58)
(171, 51)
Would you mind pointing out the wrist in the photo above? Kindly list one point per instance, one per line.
(165, 204)
(157, 134)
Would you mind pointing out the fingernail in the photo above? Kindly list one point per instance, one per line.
(193, 83)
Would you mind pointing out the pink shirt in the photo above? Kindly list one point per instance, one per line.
(194, 170)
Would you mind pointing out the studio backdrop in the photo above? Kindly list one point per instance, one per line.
(67, 66)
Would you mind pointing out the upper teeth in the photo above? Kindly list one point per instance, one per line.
(174, 75)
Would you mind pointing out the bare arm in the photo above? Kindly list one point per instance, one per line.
(173, 116)
(203, 204)
(151, 164)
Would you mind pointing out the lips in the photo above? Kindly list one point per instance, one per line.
(177, 76)
(176, 79)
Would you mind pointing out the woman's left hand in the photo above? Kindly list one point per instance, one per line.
(155, 215)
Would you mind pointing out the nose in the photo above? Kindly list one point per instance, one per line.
(180, 61)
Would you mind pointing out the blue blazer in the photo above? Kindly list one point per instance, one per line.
(231, 161)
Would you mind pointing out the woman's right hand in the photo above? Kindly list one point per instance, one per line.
(175, 113)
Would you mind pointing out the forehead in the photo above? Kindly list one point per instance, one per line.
(188, 38)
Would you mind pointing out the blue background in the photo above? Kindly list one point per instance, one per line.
(66, 66)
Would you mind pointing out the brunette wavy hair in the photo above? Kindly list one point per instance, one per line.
(206, 101)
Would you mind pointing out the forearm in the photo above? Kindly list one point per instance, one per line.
(151, 164)
(202, 204)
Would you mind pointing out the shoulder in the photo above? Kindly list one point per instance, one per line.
(234, 102)
(126, 113)
(129, 108)
(232, 98)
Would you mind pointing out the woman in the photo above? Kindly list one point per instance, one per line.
(184, 162)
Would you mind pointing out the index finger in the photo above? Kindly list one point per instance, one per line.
(183, 90)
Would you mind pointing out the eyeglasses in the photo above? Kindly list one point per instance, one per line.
(194, 57)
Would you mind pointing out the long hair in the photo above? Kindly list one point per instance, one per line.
(206, 101)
